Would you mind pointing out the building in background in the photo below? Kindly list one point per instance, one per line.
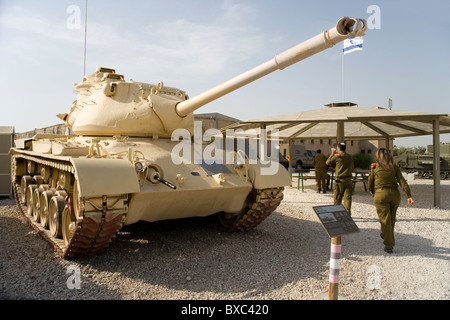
(6, 142)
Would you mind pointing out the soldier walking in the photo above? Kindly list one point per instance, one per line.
(383, 183)
(320, 167)
(343, 164)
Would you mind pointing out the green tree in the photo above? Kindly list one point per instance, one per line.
(362, 160)
(415, 150)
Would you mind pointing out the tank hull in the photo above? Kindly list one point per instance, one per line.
(197, 192)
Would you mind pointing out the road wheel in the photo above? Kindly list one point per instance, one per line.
(29, 197)
(24, 183)
(55, 210)
(68, 226)
(44, 202)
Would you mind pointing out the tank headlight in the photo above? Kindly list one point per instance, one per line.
(138, 166)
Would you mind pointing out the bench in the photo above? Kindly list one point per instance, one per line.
(360, 176)
(307, 174)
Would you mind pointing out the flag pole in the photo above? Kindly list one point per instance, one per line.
(85, 38)
(343, 84)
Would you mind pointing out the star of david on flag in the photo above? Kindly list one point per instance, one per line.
(353, 44)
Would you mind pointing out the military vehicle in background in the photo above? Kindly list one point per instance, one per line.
(423, 163)
(119, 168)
(302, 158)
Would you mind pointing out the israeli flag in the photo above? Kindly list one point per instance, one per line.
(353, 44)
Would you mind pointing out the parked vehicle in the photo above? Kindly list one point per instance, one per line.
(423, 163)
(302, 158)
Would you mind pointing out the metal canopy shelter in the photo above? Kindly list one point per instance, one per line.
(343, 121)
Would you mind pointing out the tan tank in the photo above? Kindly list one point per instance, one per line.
(126, 161)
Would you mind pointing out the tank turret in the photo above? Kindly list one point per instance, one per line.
(107, 105)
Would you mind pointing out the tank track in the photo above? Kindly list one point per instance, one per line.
(260, 204)
(428, 174)
(95, 224)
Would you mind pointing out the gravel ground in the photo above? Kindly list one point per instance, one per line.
(285, 258)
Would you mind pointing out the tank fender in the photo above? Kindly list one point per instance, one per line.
(97, 177)
(268, 176)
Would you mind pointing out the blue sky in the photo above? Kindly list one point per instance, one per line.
(197, 44)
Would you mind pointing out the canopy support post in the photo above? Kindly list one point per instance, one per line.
(436, 164)
(290, 157)
(340, 132)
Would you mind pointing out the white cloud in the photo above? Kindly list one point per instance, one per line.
(180, 50)
(203, 48)
(207, 47)
(35, 24)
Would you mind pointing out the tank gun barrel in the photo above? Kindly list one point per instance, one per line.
(346, 27)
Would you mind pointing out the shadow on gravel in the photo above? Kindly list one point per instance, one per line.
(7, 201)
(193, 254)
(31, 270)
(368, 243)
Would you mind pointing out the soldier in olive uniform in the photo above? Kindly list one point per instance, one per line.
(383, 183)
(343, 164)
(320, 166)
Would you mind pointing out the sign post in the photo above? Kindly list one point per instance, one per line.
(336, 222)
(335, 257)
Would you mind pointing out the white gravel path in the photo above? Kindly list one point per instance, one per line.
(286, 257)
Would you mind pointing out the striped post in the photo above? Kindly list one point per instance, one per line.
(334, 268)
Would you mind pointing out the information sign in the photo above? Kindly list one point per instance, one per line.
(336, 220)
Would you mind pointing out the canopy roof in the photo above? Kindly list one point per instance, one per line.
(359, 123)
